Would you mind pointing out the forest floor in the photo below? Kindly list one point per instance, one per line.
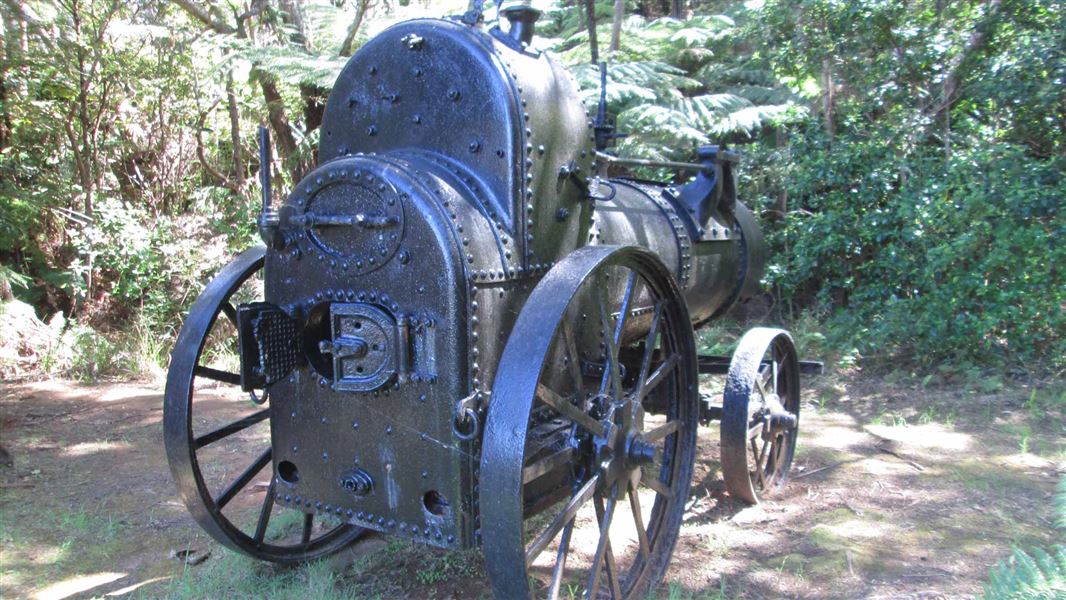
(898, 491)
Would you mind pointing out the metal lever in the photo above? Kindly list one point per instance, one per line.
(366, 221)
(268, 218)
(345, 347)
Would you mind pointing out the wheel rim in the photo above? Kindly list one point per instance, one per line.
(564, 448)
(193, 454)
(760, 417)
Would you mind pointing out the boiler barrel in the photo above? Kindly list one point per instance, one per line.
(713, 273)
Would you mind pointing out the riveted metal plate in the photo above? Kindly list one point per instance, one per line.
(351, 217)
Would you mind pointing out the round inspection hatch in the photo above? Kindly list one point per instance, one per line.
(355, 218)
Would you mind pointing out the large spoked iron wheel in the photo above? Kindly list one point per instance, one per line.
(218, 438)
(591, 433)
(760, 414)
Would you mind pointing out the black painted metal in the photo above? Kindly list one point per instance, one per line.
(184, 450)
(541, 358)
(457, 193)
(760, 415)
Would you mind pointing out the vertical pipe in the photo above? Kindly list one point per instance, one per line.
(264, 166)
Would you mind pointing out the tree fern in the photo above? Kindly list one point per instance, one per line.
(676, 84)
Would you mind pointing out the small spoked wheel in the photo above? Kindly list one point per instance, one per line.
(760, 414)
(218, 437)
(590, 438)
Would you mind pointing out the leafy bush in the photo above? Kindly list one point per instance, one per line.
(925, 262)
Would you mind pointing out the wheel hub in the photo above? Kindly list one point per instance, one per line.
(622, 449)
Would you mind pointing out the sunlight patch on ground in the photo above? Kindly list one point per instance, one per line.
(1026, 460)
(932, 436)
(876, 466)
(837, 438)
(131, 588)
(118, 394)
(86, 448)
(853, 529)
(76, 585)
(49, 556)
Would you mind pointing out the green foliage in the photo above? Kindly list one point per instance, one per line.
(915, 259)
(909, 157)
(675, 85)
(1029, 576)
(1034, 574)
(923, 230)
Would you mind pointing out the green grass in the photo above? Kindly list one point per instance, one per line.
(230, 575)
(449, 565)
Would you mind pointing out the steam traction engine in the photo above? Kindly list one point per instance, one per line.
(459, 333)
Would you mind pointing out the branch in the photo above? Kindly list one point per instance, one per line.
(200, 14)
(219, 178)
(353, 28)
(977, 42)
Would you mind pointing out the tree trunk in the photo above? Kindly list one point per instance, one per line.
(292, 13)
(677, 9)
(616, 24)
(13, 69)
(279, 122)
(590, 15)
(349, 40)
(977, 42)
(83, 154)
(314, 99)
(782, 143)
(235, 133)
(5, 114)
(827, 97)
(283, 137)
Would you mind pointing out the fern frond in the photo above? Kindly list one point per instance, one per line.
(296, 67)
(1033, 575)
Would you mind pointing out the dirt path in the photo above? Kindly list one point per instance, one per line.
(897, 493)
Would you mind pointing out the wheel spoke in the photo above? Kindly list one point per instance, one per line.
(611, 377)
(264, 514)
(760, 458)
(649, 351)
(243, 480)
(231, 313)
(566, 516)
(601, 548)
(309, 519)
(546, 465)
(560, 562)
(217, 375)
(573, 356)
(661, 431)
(774, 365)
(627, 304)
(230, 429)
(638, 520)
(563, 407)
(659, 374)
(608, 555)
(756, 429)
(773, 458)
(762, 378)
(657, 485)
